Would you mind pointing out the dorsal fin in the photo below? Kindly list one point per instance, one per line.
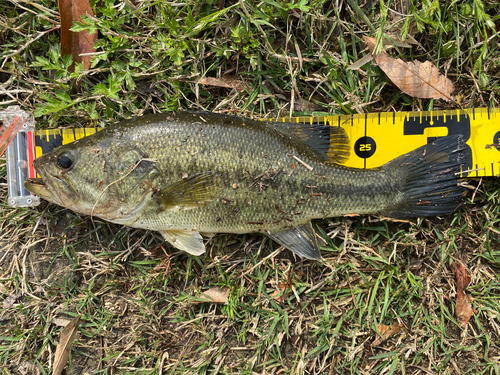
(330, 142)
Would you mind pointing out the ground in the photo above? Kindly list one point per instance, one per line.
(139, 299)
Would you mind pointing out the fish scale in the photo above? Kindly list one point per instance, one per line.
(189, 173)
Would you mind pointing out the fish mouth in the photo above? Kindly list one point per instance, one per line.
(60, 193)
(39, 187)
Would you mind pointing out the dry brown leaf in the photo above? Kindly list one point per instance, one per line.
(464, 310)
(61, 322)
(395, 40)
(64, 347)
(359, 63)
(387, 332)
(215, 295)
(284, 289)
(9, 301)
(280, 294)
(299, 105)
(388, 44)
(419, 80)
(76, 43)
(229, 81)
(462, 276)
(27, 368)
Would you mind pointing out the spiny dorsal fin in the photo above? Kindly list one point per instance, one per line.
(191, 192)
(330, 142)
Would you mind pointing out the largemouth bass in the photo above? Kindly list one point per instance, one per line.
(189, 174)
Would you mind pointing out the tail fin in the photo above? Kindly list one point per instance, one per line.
(428, 179)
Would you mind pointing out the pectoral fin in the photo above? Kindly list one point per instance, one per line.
(185, 240)
(191, 192)
(300, 240)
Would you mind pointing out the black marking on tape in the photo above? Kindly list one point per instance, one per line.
(459, 125)
(496, 139)
(47, 144)
(365, 147)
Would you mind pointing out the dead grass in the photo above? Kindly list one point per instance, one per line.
(140, 308)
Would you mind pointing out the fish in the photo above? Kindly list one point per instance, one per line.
(188, 175)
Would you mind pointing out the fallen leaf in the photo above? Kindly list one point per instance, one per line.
(61, 322)
(64, 347)
(387, 332)
(359, 63)
(462, 276)
(395, 41)
(215, 295)
(27, 368)
(280, 294)
(464, 310)
(302, 105)
(78, 43)
(9, 301)
(419, 80)
(299, 105)
(229, 81)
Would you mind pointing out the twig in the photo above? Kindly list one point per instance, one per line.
(302, 162)
(274, 253)
(469, 170)
(40, 34)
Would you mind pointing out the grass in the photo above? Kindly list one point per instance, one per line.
(138, 298)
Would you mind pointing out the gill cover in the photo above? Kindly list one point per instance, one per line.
(130, 176)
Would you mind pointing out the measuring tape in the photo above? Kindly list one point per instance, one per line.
(375, 139)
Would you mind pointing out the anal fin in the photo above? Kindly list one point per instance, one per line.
(300, 240)
(185, 240)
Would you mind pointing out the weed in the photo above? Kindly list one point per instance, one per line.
(140, 311)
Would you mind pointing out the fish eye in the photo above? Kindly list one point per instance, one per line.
(65, 161)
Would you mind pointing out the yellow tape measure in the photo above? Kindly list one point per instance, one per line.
(48, 139)
(377, 138)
